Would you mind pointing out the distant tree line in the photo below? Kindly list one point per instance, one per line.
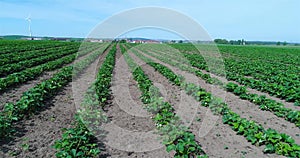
(279, 43)
(233, 42)
(243, 42)
(221, 41)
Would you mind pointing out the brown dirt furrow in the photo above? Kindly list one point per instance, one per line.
(289, 105)
(244, 108)
(41, 130)
(254, 91)
(217, 139)
(84, 80)
(15, 93)
(130, 130)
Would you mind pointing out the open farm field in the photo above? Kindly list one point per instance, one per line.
(90, 99)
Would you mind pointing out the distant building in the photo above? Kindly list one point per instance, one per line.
(33, 38)
(95, 40)
(37, 38)
(141, 41)
(152, 41)
(60, 39)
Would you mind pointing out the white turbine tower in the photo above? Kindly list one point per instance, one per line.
(29, 26)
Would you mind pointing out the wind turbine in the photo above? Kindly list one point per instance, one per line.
(29, 25)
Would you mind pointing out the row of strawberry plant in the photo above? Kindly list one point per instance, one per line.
(274, 141)
(17, 46)
(32, 73)
(19, 57)
(15, 57)
(274, 78)
(264, 103)
(176, 137)
(278, 56)
(278, 59)
(11, 68)
(33, 99)
(288, 93)
(285, 85)
(104, 76)
(284, 55)
(284, 80)
(79, 141)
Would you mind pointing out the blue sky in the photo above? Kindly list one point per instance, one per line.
(269, 20)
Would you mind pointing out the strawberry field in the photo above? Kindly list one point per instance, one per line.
(72, 99)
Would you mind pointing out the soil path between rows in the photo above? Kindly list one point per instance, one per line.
(220, 140)
(130, 130)
(289, 105)
(244, 108)
(224, 80)
(41, 130)
(13, 94)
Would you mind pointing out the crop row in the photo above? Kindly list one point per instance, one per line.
(274, 142)
(11, 68)
(264, 103)
(16, 57)
(289, 91)
(79, 141)
(176, 137)
(31, 73)
(104, 77)
(33, 99)
(16, 47)
(284, 77)
(275, 79)
(275, 55)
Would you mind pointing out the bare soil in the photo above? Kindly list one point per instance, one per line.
(222, 141)
(13, 94)
(243, 107)
(40, 131)
(130, 129)
(248, 110)
(130, 132)
(289, 105)
(254, 91)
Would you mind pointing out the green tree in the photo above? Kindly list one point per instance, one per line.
(278, 43)
(243, 42)
(239, 42)
(284, 43)
(123, 41)
(221, 41)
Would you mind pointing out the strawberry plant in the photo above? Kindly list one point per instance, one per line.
(77, 142)
(104, 76)
(282, 143)
(175, 136)
(264, 103)
(34, 98)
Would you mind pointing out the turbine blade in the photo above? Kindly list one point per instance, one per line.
(29, 17)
